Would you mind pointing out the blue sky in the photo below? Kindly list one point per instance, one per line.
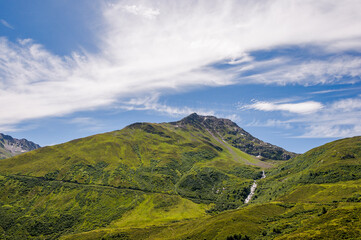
(288, 72)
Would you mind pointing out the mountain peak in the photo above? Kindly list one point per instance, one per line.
(10, 146)
(194, 117)
(204, 121)
(231, 133)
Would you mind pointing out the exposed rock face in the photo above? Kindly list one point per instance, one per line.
(236, 136)
(10, 146)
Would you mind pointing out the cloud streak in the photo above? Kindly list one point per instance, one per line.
(336, 119)
(152, 103)
(282, 71)
(151, 48)
(299, 108)
(6, 24)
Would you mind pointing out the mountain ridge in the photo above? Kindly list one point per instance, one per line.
(230, 132)
(10, 146)
(147, 178)
(156, 169)
(130, 157)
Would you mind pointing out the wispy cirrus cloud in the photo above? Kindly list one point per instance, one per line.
(140, 10)
(340, 118)
(152, 103)
(150, 48)
(347, 105)
(283, 71)
(87, 123)
(6, 24)
(307, 107)
(270, 123)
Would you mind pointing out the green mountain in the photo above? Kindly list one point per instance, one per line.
(156, 172)
(181, 180)
(335, 162)
(231, 133)
(316, 195)
(10, 146)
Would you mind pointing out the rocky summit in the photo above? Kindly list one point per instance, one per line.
(237, 137)
(10, 146)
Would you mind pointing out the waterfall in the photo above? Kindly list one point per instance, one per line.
(253, 189)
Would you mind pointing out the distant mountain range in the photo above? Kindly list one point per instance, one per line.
(10, 146)
(181, 180)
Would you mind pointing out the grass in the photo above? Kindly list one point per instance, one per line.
(47, 209)
(160, 210)
(144, 175)
(169, 181)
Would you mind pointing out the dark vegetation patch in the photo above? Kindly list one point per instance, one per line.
(333, 174)
(211, 185)
(246, 172)
(32, 207)
(238, 237)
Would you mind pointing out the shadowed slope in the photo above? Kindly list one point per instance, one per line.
(236, 136)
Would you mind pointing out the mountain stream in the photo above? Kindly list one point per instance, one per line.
(253, 189)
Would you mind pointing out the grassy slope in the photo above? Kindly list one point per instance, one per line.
(34, 208)
(292, 204)
(143, 175)
(137, 183)
(144, 156)
(265, 221)
(331, 163)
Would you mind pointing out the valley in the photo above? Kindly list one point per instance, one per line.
(199, 178)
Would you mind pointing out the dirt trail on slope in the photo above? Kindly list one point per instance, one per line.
(234, 154)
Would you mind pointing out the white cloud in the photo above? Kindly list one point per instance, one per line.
(147, 48)
(347, 105)
(334, 90)
(331, 131)
(232, 117)
(142, 11)
(151, 103)
(337, 119)
(9, 128)
(299, 108)
(270, 123)
(334, 70)
(6, 24)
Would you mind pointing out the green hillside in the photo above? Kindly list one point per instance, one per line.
(142, 175)
(180, 180)
(334, 162)
(151, 157)
(286, 206)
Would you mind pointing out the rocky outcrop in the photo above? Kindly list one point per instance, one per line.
(10, 146)
(236, 136)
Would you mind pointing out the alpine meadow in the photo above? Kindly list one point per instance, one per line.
(181, 180)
